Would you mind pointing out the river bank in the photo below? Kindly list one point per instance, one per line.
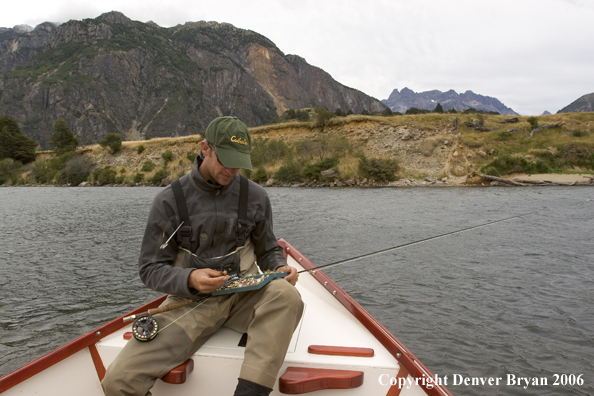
(422, 150)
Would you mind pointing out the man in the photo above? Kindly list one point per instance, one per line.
(199, 260)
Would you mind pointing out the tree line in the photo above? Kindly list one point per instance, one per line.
(69, 167)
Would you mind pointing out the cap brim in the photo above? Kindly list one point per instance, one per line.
(234, 159)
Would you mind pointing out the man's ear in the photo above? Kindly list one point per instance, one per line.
(204, 147)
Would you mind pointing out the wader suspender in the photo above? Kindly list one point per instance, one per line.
(184, 235)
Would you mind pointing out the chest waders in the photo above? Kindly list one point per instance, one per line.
(145, 327)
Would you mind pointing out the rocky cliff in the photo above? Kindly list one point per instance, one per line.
(115, 75)
(401, 101)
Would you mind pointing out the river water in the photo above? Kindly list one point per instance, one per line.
(515, 298)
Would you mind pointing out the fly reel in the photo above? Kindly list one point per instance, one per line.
(145, 328)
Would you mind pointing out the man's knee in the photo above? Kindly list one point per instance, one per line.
(287, 295)
(121, 381)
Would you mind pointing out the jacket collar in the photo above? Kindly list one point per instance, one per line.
(205, 186)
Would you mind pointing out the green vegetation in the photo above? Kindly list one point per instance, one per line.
(76, 170)
(13, 144)
(113, 141)
(533, 121)
(299, 153)
(104, 176)
(159, 176)
(9, 171)
(307, 160)
(507, 164)
(167, 156)
(382, 170)
(148, 166)
(62, 139)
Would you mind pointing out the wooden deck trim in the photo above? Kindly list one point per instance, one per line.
(298, 380)
(69, 349)
(340, 350)
(404, 357)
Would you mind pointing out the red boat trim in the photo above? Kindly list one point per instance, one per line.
(396, 389)
(69, 349)
(99, 367)
(404, 357)
(340, 350)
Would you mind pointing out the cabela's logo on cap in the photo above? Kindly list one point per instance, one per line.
(239, 140)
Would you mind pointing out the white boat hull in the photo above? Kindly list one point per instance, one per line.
(331, 318)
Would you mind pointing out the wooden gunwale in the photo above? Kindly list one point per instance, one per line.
(405, 357)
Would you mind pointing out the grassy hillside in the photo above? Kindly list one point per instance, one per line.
(362, 150)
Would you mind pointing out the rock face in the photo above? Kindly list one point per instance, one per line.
(583, 104)
(407, 98)
(115, 75)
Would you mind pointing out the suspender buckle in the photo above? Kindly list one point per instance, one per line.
(185, 237)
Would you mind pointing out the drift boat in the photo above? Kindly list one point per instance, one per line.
(337, 349)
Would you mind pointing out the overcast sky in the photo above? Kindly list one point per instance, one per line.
(533, 55)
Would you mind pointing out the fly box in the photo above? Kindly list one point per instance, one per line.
(248, 283)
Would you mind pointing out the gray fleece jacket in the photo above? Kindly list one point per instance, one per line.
(213, 212)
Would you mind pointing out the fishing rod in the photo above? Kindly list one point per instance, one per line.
(377, 253)
(145, 327)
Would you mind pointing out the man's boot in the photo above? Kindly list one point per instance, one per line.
(249, 388)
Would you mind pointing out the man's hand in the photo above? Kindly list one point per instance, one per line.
(207, 280)
(293, 275)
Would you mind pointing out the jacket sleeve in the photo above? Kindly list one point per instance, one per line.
(155, 265)
(269, 254)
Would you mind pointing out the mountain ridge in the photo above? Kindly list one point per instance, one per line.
(400, 101)
(584, 103)
(114, 75)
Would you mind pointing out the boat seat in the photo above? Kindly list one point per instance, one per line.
(304, 379)
(176, 375)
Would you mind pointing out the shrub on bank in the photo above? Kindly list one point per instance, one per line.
(104, 176)
(167, 156)
(314, 171)
(9, 170)
(288, 173)
(148, 166)
(159, 176)
(381, 170)
(506, 164)
(76, 170)
(260, 175)
(113, 141)
(138, 177)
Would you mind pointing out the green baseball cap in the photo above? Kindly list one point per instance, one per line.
(232, 141)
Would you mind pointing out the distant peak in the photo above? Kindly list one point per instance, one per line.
(115, 17)
(22, 28)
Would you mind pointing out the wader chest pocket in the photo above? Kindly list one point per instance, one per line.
(229, 263)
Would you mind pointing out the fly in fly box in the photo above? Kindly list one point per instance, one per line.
(248, 283)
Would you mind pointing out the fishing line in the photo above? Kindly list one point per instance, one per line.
(377, 253)
(145, 327)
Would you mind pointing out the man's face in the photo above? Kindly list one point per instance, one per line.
(211, 169)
